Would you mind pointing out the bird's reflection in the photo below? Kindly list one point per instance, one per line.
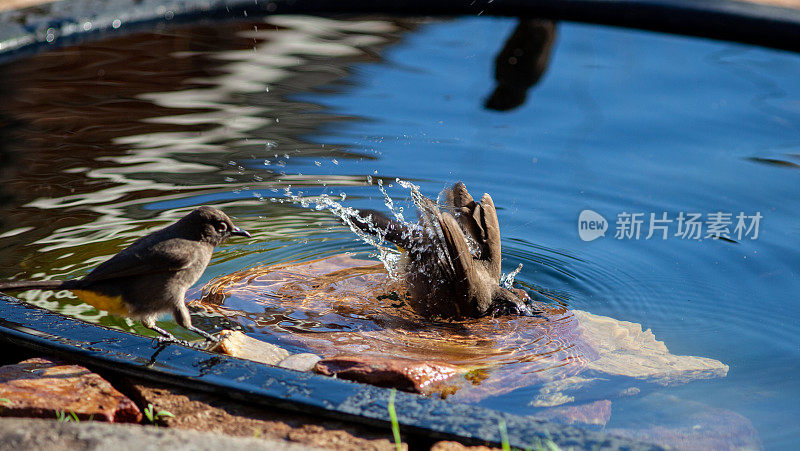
(522, 62)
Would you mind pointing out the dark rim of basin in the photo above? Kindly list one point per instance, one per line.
(29, 327)
(68, 20)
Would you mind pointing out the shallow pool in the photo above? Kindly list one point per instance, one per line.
(105, 140)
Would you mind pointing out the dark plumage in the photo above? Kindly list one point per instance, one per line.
(150, 277)
(451, 262)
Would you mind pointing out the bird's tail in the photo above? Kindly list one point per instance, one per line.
(22, 285)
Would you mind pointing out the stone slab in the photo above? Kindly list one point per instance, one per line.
(44, 388)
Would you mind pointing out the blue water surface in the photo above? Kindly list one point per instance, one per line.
(623, 121)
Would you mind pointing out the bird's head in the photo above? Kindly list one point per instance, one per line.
(213, 225)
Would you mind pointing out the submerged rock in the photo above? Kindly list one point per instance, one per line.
(624, 349)
(598, 412)
(300, 362)
(688, 425)
(390, 372)
(44, 388)
(349, 306)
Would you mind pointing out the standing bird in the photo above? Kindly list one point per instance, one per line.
(451, 257)
(150, 277)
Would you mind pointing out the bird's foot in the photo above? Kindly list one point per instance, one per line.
(163, 341)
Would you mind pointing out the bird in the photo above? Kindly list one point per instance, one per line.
(451, 257)
(150, 277)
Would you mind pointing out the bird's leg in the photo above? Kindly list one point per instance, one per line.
(203, 333)
(184, 318)
(165, 337)
(168, 337)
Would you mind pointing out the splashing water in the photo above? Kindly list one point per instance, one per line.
(387, 252)
(388, 256)
(507, 280)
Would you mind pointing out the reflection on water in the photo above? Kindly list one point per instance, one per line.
(105, 141)
(207, 103)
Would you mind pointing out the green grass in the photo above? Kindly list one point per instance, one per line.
(66, 417)
(153, 416)
(395, 424)
(540, 445)
(504, 436)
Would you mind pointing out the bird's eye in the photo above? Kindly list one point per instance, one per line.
(222, 227)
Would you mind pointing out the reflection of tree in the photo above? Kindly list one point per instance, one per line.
(104, 128)
(521, 63)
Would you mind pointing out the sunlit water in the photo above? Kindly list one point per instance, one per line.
(105, 141)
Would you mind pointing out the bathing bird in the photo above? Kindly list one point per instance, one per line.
(150, 277)
(451, 257)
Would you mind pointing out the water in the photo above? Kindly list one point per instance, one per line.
(107, 140)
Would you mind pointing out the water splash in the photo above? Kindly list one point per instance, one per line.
(389, 256)
(428, 226)
(507, 280)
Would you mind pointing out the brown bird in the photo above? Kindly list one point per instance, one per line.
(451, 257)
(150, 277)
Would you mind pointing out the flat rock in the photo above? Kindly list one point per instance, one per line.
(627, 350)
(237, 344)
(390, 372)
(42, 388)
(300, 362)
(598, 412)
(689, 425)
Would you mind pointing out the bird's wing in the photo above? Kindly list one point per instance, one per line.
(457, 248)
(172, 254)
(491, 226)
(463, 207)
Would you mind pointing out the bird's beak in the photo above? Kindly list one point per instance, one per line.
(239, 232)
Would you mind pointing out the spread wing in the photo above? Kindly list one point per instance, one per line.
(479, 222)
(148, 258)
